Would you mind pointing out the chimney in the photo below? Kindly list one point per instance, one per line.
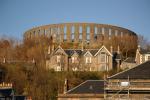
(118, 51)
(49, 49)
(139, 47)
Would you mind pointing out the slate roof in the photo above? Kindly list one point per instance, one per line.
(93, 52)
(89, 87)
(71, 52)
(80, 52)
(141, 71)
(130, 60)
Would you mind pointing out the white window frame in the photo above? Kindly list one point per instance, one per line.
(102, 58)
(58, 58)
(73, 59)
(58, 68)
(88, 60)
(75, 69)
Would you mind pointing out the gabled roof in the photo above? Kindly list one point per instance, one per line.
(141, 71)
(70, 52)
(59, 47)
(89, 87)
(88, 52)
(101, 49)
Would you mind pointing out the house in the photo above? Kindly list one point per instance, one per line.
(88, 90)
(128, 63)
(133, 83)
(142, 55)
(100, 59)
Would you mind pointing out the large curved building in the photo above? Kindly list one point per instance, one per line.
(79, 32)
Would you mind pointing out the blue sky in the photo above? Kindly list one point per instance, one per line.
(17, 16)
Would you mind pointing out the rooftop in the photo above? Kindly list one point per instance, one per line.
(89, 87)
(141, 71)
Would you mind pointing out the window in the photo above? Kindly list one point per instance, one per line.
(103, 57)
(88, 60)
(58, 68)
(88, 36)
(74, 59)
(109, 32)
(75, 69)
(95, 30)
(65, 29)
(121, 34)
(58, 30)
(80, 29)
(80, 36)
(72, 36)
(58, 58)
(65, 36)
(116, 32)
(88, 29)
(103, 30)
(95, 33)
(72, 29)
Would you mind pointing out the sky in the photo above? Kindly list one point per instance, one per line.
(17, 16)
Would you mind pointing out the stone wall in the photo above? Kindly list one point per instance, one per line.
(77, 32)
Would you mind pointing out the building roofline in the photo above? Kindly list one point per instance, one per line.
(126, 70)
(87, 53)
(101, 49)
(80, 85)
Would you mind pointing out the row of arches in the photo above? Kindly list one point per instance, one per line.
(77, 32)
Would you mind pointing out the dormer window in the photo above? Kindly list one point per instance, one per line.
(74, 59)
(103, 57)
(88, 60)
(75, 69)
(58, 68)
